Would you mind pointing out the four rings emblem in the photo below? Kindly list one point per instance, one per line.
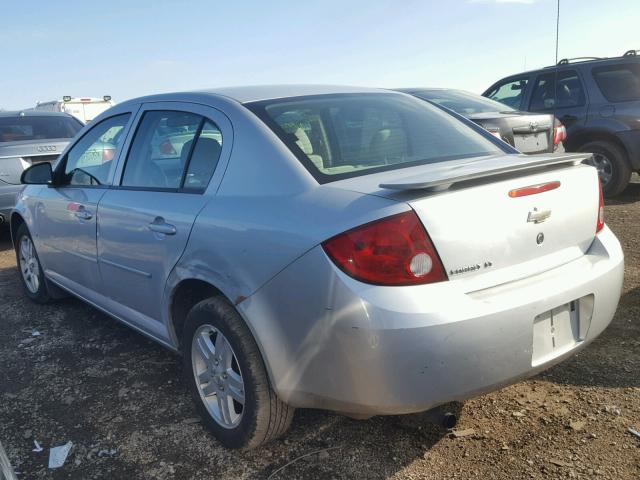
(46, 148)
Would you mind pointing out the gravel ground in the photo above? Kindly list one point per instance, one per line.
(118, 398)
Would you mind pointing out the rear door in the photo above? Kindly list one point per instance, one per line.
(619, 85)
(168, 176)
(561, 93)
(94, 108)
(74, 108)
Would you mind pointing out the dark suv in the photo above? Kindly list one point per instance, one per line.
(598, 101)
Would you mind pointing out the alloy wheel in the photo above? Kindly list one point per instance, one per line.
(604, 167)
(29, 266)
(217, 375)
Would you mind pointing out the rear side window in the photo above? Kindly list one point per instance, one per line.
(204, 158)
(461, 102)
(510, 92)
(172, 150)
(619, 83)
(566, 91)
(339, 136)
(30, 128)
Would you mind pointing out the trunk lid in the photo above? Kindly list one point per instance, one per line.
(529, 133)
(15, 157)
(484, 236)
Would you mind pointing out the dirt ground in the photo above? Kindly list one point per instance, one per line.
(118, 398)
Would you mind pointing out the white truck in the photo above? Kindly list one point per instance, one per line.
(84, 109)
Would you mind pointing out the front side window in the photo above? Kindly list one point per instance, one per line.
(172, 150)
(90, 160)
(33, 128)
(619, 83)
(339, 136)
(510, 92)
(566, 92)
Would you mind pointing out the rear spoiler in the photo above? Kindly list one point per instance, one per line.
(442, 175)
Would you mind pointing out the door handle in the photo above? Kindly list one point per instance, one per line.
(160, 226)
(568, 118)
(80, 211)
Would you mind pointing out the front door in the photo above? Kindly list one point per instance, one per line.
(145, 221)
(511, 92)
(66, 214)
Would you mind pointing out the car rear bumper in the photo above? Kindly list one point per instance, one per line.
(332, 342)
(8, 195)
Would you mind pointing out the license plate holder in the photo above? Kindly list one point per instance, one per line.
(557, 331)
(534, 142)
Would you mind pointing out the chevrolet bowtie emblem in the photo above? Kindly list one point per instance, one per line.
(536, 216)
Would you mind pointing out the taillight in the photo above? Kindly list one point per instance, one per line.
(494, 131)
(393, 251)
(559, 133)
(600, 220)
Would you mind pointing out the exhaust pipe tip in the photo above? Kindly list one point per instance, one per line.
(441, 417)
(449, 420)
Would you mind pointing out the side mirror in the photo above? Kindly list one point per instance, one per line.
(38, 174)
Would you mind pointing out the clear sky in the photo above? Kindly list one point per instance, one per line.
(128, 48)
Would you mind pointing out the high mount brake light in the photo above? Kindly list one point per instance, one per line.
(395, 250)
(533, 189)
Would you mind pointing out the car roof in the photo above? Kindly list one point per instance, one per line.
(32, 113)
(430, 89)
(248, 94)
(255, 93)
(573, 63)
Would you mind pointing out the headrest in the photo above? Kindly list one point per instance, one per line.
(303, 141)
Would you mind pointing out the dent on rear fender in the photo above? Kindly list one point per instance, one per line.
(301, 316)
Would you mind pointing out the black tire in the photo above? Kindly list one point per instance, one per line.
(264, 416)
(620, 167)
(41, 294)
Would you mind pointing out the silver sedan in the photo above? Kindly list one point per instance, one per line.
(28, 137)
(350, 249)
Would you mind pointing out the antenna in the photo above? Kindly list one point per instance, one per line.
(557, 31)
(555, 77)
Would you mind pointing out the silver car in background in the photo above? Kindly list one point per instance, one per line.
(29, 137)
(350, 249)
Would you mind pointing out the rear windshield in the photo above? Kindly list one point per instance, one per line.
(463, 103)
(17, 129)
(346, 135)
(619, 83)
